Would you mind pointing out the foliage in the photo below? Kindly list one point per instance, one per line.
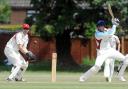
(10, 27)
(90, 29)
(59, 14)
(87, 61)
(5, 11)
(61, 17)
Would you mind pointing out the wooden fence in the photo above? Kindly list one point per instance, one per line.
(43, 49)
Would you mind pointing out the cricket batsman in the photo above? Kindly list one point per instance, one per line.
(105, 51)
(18, 43)
(109, 63)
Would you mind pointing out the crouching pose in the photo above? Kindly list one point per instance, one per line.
(105, 51)
(18, 43)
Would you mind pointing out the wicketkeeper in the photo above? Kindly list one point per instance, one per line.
(18, 43)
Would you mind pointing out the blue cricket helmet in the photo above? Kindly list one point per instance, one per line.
(101, 23)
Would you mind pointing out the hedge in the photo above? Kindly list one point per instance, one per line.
(15, 28)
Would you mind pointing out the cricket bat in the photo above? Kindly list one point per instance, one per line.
(110, 11)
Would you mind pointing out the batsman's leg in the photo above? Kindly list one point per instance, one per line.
(121, 72)
(107, 68)
(89, 73)
(119, 56)
(122, 69)
(111, 69)
(98, 63)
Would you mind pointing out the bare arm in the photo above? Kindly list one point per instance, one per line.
(22, 49)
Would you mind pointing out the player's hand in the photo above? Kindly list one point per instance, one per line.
(115, 21)
(31, 56)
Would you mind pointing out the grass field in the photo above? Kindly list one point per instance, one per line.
(65, 80)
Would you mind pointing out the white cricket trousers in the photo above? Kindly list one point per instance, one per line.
(16, 59)
(103, 55)
(109, 68)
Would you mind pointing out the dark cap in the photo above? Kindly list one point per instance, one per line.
(100, 23)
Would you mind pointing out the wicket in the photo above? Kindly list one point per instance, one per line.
(54, 62)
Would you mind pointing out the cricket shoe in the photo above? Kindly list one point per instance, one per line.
(81, 79)
(108, 79)
(20, 80)
(9, 79)
(122, 79)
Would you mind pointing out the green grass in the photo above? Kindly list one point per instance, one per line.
(65, 80)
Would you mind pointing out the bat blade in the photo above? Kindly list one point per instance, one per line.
(110, 11)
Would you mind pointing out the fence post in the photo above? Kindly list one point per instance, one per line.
(122, 44)
(91, 48)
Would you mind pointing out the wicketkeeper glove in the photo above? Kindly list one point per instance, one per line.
(115, 21)
(31, 56)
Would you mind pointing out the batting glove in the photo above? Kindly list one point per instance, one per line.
(115, 21)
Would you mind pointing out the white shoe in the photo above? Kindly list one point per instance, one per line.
(108, 79)
(9, 79)
(81, 79)
(122, 79)
(22, 80)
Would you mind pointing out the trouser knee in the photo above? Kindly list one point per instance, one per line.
(96, 68)
(126, 60)
(25, 65)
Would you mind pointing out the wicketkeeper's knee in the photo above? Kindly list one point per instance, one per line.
(25, 65)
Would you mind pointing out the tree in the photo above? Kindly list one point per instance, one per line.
(59, 13)
(59, 17)
(5, 11)
(52, 17)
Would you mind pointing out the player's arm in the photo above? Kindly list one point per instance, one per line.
(20, 43)
(106, 34)
(22, 49)
(25, 51)
(29, 54)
